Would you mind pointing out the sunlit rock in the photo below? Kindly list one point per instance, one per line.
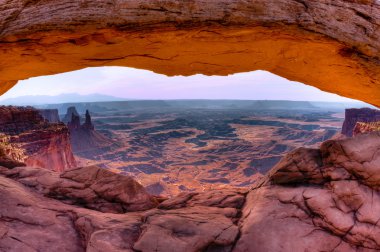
(333, 45)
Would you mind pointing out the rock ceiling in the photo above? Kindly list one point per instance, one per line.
(333, 45)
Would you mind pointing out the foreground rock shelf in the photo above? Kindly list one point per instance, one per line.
(313, 200)
(333, 45)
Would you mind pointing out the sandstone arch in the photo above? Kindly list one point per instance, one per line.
(332, 44)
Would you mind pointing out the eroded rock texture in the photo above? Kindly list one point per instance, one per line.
(318, 200)
(84, 139)
(313, 200)
(354, 116)
(333, 44)
(26, 137)
(32, 221)
(89, 187)
(366, 127)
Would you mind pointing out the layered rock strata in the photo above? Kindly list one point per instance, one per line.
(362, 127)
(353, 116)
(85, 140)
(26, 137)
(323, 199)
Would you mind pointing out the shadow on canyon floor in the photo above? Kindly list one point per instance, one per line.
(188, 145)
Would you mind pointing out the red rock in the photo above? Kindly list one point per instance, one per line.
(89, 187)
(353, 116)
(227, 198)
(31, 220)
(331, 44)
(313, 200)
(362, 127)
(317, 206)
(28, 138)
(189, 229)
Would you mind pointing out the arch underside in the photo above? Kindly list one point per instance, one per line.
(177, 43)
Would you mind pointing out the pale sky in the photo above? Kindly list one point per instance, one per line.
(141, 84)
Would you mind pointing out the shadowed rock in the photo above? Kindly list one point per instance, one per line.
(51, 115)
(84, 139)
(354, 116)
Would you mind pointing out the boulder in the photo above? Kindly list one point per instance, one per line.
(90, 187)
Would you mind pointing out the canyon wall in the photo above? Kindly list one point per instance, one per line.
(50, 114)
(353, 116)
(69, 114)
(28, 138)
(366, 127)
(333, 44)
(84, 139)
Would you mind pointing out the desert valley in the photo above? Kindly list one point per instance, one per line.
(197, 145)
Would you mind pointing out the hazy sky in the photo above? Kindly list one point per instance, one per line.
(141, 84)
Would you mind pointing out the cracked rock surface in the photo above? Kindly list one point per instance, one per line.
(318, 200)
(312, 200)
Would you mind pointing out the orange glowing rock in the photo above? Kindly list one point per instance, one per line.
(333, 45)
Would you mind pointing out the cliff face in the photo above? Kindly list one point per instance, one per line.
(69, 114)
(50, 114)
(305, 41)
(85, 140)
(362, 127)
(28, 138)
(323, 199)
(353, 116)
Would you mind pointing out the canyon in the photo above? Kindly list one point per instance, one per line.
(172, 147)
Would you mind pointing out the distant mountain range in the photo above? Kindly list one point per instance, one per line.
(58, 99)
(161, 105)
(101, 100)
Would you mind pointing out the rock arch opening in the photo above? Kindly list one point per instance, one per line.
(220, 131)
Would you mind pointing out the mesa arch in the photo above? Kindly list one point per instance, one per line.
(332, 44)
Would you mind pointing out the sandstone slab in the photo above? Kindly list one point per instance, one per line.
(333, 44)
